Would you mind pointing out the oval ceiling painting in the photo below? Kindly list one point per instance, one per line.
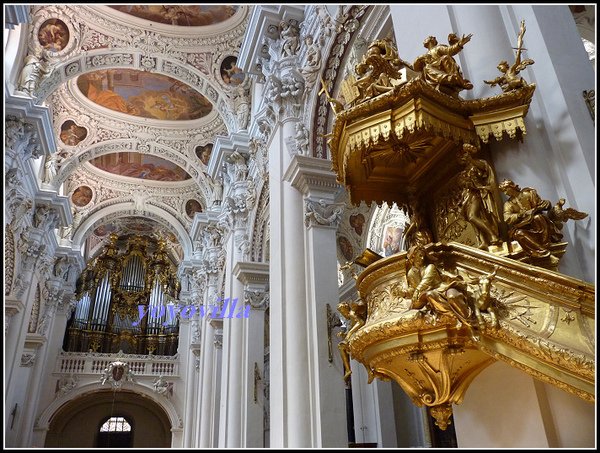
(82, 196)
(192, 207)
(53, 35)
(142, 166)
(143, 94)
(184, 15)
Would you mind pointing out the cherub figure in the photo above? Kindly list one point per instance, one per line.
(483, 299)
(510, 80)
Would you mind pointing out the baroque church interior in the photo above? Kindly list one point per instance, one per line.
(280, 226)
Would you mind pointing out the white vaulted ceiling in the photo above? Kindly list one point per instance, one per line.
(137, 96)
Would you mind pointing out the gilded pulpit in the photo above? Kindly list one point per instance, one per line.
(479, 281)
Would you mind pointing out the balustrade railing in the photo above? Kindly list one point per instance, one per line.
(95, 363)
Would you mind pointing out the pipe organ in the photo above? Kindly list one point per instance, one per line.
(125, 298)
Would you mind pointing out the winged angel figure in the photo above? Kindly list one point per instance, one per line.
(510, 80)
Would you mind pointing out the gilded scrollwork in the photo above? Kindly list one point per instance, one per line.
(390, 301)
(501, 305)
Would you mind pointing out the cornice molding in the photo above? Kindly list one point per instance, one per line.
(312, 176)
(249, 272)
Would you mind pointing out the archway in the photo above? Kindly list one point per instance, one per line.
(78, 423)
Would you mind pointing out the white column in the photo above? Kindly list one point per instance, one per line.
(255, 277)
(232, 391)
(210, 374)
(290, 378)
(190, 340)
(207, 386)
(206, 389)
(216, 378)
(237, 204)
(190, 378)
(314, 179)
(15, 333)
(278, 111)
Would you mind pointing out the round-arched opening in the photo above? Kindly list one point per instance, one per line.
(107, 418)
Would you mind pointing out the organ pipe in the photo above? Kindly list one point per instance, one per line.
(129, 273)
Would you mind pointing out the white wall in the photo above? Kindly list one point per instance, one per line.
(533, 414)
(500, 410)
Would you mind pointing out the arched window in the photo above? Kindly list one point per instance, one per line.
(115, 424)
(115, 432)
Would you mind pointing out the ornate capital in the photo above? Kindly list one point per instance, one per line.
(258, 300)
(28, 359)
(30, 248)
(322, 213)
(284, 93)
(238, 205)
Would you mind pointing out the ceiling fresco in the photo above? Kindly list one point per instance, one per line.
(231, 73)
(187, 16)
(143, 94)
(142, 166)
(192, 207)
(71, 134)
(123, 111)
(53, 35)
